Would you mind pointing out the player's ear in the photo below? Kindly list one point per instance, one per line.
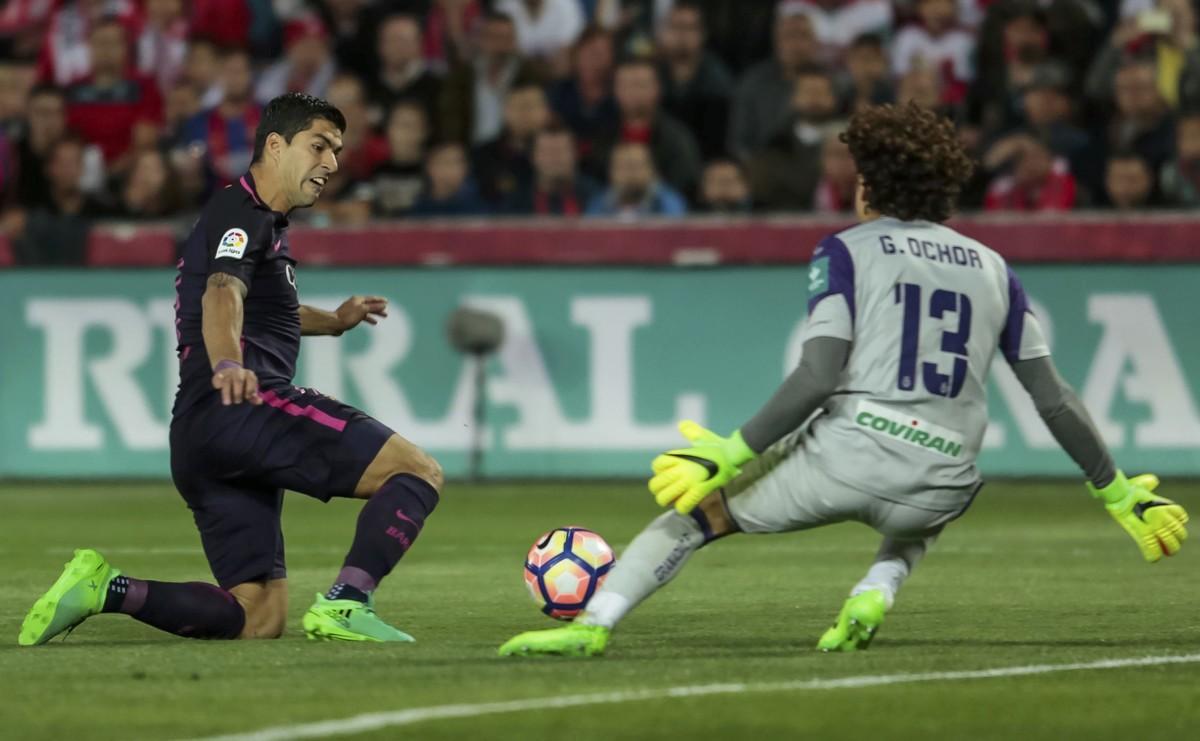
(275, 145)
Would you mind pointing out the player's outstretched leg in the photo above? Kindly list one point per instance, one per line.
(650, 561)
(89, 585)
(387, 527)
(862, 614)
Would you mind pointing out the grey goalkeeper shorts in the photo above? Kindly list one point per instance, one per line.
(785, 489)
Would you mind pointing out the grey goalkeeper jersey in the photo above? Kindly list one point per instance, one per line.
(925, 310)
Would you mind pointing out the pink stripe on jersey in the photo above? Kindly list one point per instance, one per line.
(316, 415)
(249, 190)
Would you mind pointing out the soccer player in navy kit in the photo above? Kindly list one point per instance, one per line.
(241, 433)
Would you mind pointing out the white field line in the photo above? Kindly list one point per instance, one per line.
(375, 721)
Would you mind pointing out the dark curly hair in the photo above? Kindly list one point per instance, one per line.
(910, 160)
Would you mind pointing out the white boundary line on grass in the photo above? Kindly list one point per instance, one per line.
(375, 721)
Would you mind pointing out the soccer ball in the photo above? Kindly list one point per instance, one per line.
(564, 569)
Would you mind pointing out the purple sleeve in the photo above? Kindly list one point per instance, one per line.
(236, 244)
(830, 272)
(1014, 325)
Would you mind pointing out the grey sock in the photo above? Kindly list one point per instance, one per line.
(650, 561)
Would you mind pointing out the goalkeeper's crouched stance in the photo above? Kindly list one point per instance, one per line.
(904, 318)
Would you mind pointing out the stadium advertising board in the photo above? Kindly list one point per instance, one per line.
(597, 365)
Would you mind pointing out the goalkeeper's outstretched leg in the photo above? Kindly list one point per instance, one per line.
(654, 557)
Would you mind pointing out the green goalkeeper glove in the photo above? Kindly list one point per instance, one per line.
(1154, 523)
(687, 475)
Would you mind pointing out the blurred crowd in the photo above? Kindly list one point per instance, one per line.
(139, 109)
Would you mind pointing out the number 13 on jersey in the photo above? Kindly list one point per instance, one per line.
(954, 343)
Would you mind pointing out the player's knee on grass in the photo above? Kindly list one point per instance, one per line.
(399, 456)
(712, 515)
(265, 605)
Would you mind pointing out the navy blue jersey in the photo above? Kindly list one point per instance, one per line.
(240, 235)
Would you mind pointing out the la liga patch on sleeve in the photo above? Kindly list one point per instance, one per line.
(233, 244)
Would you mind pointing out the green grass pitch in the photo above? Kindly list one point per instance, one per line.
(1033, 574)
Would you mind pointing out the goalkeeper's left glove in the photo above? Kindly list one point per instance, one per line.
(687, 475)
(1155, 523)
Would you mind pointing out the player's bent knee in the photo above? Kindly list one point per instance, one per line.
(264, 623)
(398, 457)
(431, 471)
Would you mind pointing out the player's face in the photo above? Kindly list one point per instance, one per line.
(307, 163)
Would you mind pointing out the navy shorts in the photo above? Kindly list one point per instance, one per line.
(232, 463)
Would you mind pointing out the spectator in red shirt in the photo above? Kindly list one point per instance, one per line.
(676, 152)
(1039, 180)
(557, 188)
(66, 54)
(113, 108)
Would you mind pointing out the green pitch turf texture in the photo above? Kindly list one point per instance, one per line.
(1034, 574)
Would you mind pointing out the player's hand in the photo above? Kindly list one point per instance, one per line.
(686, 475)
(358, 309)
(1155, 523)
(236, 385)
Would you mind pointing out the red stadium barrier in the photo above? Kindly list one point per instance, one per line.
(1100, 237)
(131, 246)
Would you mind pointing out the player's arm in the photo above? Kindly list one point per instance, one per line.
(350, 314)
(236, 245)
(687, 475)
(1156, 524)
(221, 324)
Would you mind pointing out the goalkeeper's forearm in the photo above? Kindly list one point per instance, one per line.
(808, 386)
(1067, 418)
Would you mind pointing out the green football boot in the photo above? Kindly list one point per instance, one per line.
(857, 623)
(570, 640)
(77, 595)
(348, 620)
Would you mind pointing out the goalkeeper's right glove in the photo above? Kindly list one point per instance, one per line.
(685, 476)
(1156, 524)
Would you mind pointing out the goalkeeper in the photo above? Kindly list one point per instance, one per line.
(904, 318)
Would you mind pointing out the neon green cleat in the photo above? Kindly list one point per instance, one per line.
(348, 620)
(570, 640)
(856, 624)
(77, 595)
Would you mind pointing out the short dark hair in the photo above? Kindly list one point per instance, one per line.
(554, 129)
(815, 70)
(498, 16)
(867, 41)
(46, 88)
(692, 5)
(637, 61)
(910, 159)
(291, 113)
(1125, 154)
